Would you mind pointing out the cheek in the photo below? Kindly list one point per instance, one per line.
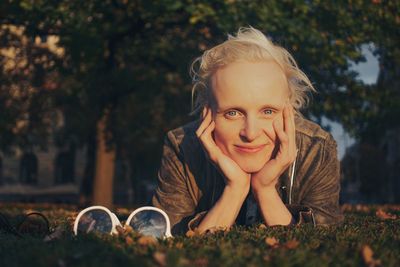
(269, 131)
(222, 133)
(225, 132)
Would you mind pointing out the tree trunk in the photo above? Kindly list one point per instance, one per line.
(105, 164)
(86, 190)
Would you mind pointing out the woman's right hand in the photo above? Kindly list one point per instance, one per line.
(234, 176)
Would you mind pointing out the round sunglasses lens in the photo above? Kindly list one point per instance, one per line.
(149, 222)
(95, 221)
(34, 224)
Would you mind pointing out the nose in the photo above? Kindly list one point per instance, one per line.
(251, 130)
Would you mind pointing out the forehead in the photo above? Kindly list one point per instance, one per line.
(250, 84)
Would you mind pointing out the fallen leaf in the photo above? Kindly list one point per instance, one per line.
(292, 244)
(201, 262)
(120, 230)
(363, 208)
(385, 215)
(147, 240)
(262, 226)
(266, 257)
(314, 244)
(190, 233)
(160, 258)
(214, 230)
(57, 234)
(128, 240)
(368, 257)
(272, 241)
(128, 229)
(183, 262)
(179, 245)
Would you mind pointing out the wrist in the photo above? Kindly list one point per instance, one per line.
(237, 191)
(264, 190)
(239, 184)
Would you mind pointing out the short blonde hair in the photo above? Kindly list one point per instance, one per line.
(252, 45)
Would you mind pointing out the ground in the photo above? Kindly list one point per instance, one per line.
(370, 236)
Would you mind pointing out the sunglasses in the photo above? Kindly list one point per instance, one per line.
(149, 221)
(33, 224)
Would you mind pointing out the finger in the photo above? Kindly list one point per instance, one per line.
(204, 113)
(208, 142)
(280, 133)
(292, 134)
(293, 112)
(206, 121)
(283, 157)
(290, 128)
(286, 117)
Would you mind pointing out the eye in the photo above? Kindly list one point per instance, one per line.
(268, 111)
(231, 114)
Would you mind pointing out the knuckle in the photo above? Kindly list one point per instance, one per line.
(284, 139)
(198, 132)
(203, 138)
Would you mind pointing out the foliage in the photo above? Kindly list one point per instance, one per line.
(131, 58)
(368, 236)
(134, 55)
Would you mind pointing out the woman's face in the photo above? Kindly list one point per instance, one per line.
(247, 98)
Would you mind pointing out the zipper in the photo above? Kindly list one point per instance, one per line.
(292, 172)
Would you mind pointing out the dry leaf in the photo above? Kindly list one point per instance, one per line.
(128, 229)
(183, 262)
(160, 258)
(363, 208)
(267, 257)
(262, 226)
(128, 240)
(147, 240)
(120, 230)
(314, 244)
(201, 262)
(272, 241)
(190, 233)
(179, 245)
(385, 215)
(292, 244)
(216, 229)
(368, 257)
(57, 234)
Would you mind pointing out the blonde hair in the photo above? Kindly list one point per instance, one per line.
(251, 45)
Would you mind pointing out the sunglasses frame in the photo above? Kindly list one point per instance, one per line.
(115, 221)
(9, 228)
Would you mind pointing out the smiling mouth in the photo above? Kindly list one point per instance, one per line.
(249, 149)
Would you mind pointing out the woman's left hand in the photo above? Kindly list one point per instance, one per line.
(286, 152)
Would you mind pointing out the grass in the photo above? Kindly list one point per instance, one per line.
(366, 238)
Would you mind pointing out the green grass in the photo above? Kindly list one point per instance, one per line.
(317, 246)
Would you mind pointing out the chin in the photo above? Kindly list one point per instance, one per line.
(251, 167)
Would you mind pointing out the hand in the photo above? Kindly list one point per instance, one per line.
(285, 131)
(234, 176)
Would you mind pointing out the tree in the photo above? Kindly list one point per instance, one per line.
(123, 75)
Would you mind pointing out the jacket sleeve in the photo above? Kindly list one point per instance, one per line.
(320, 204)
(172, 194)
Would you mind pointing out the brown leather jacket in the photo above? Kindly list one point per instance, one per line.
(189, 184)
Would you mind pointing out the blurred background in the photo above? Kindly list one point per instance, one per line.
(88, 89)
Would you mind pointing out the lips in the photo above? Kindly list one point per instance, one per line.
(249, 149)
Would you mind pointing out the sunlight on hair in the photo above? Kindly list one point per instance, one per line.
(251, 45)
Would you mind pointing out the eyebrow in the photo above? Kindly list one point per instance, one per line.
(221, 109)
